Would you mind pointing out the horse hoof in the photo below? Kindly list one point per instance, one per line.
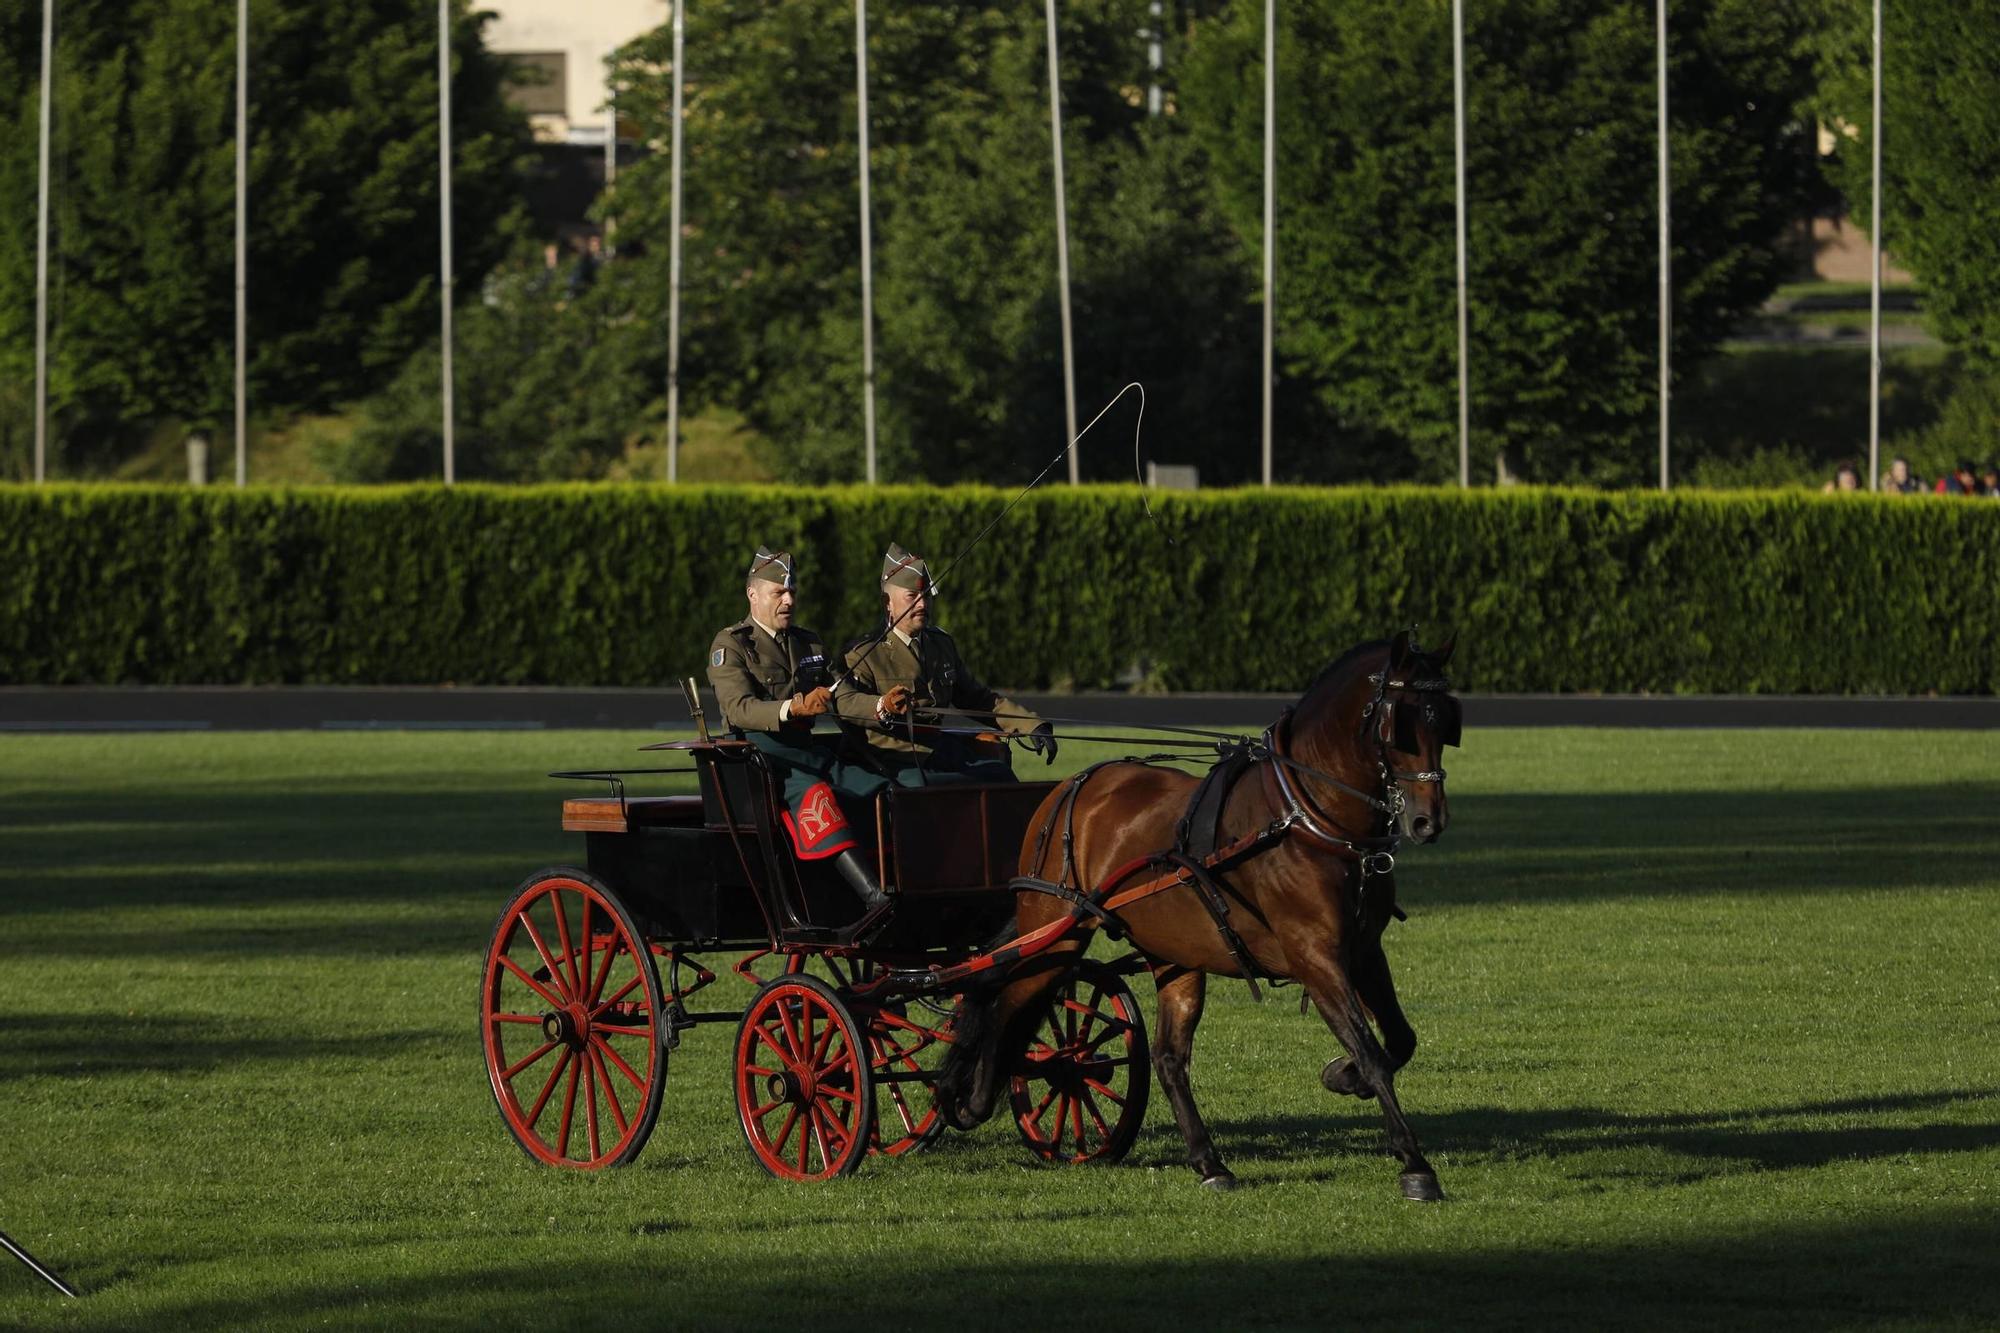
(1342, 1078)
(1421, 1187)
(955, 1115)
(1222, 1183)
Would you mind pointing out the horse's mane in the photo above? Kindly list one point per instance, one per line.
(1338, 664)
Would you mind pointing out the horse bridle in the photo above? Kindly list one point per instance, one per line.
(1383, 710)
(1376, 854)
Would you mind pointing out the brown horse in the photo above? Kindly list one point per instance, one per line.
(1341, 778)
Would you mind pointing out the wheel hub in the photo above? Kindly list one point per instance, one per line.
(571, 1026)
(788, 1085)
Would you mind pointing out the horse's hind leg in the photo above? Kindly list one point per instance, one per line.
(1340, 1006)
(1181, 992)
(994, 1030)
(1377, 989)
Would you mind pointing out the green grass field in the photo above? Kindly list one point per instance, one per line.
(1710, 1021)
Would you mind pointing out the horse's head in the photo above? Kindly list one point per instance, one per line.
(1385, 713)
(1412, 718)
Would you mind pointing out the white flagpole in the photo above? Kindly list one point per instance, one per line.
(1458, 118)
(674, 264)
(42, 251)
(444, 220)
(1062, 241)
(242, 232)
(1875, 280)
(610, 166)
(1666, 241)
(1270, 211)
(867, 241)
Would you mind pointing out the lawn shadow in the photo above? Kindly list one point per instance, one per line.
(1921, 1264)
(1706, 1144)
(1535, 848)
(69, 1044)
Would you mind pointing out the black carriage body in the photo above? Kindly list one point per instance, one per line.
(717, 870)
(589, 972)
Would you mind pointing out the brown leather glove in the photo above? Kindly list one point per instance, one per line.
(812, 703)
(896, 700)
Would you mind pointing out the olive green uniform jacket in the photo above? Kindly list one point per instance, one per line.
(753, 674)
(937, 677)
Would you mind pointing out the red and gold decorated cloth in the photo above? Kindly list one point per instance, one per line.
(818, 827)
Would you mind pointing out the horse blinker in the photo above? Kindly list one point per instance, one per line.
(1441, 712)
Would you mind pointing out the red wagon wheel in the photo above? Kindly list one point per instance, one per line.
(569, 1013)
(803, 1091)
(906, 1046)
(907, 1041)
(1080, 1092)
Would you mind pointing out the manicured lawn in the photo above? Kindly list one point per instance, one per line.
(1710, 1021)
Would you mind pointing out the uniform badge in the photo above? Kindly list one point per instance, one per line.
(716, 658)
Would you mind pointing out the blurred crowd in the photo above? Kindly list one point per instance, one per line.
(1965, 479)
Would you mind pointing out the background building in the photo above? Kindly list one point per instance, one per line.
(566, 44)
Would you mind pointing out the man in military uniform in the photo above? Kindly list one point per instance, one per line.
(772, 682)
(910, 654)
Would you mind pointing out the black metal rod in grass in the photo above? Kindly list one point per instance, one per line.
(35, 1264)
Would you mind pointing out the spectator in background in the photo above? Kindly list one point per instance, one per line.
(1960, 482)
(1846, 477)
(545, 276)
(1989, 481)
(1899, 480)
(585, 271)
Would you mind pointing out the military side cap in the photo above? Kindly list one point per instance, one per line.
(772, 566)
(904, 570)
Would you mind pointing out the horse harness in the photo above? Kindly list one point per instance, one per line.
(1196, 860)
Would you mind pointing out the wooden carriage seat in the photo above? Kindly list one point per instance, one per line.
(606, 814)
(960, 838)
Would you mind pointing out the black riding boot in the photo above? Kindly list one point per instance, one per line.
(859, 878)
(875, 904)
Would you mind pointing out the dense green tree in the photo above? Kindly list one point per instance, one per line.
(1562, 212)
(548, 385)
(1940, 151)
(343, 188)
(968, 341)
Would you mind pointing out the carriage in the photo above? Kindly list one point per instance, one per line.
(592, 973)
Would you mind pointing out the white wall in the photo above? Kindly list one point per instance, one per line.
(585, 31)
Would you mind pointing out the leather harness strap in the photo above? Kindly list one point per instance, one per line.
(1203, 874)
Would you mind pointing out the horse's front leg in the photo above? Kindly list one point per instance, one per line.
(1333, 991)
(1181, 992)
(1377, 990)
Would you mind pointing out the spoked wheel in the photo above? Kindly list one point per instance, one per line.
(1079, 1094)
(907, 1040)
(803, 1091)
(569, 1012)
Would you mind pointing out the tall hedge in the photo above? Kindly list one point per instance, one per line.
(1245, 590)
